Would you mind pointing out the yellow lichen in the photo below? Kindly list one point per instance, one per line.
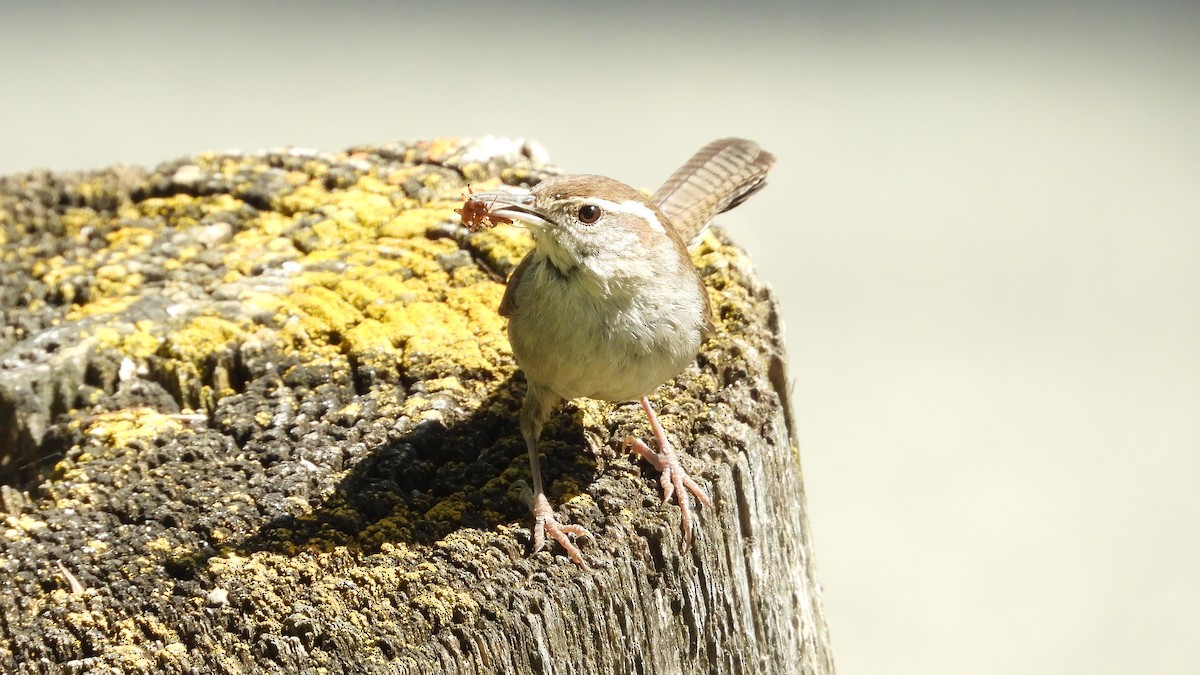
(132, 657)
(129, 241)
(351, 409)
(160, 545)
(415, 222)
(141, 343)
(174, 653)
(56, 271)
(92, 620)
(323, 311)
(182, 210)
(121, 428)
(506, 245)
(101, 306)
(442, 603)
(201, 337)
(19, 526)
(447, 511)
(74, 220)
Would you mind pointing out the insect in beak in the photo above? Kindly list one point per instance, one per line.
(486, 209)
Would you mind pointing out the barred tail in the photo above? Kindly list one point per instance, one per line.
(720, 176)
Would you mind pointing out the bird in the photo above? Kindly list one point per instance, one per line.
(608, 305)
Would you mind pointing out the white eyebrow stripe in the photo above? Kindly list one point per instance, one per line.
(631, 207)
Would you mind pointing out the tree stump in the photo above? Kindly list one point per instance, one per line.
(258, 414)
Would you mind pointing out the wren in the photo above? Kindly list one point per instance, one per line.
(608, 304)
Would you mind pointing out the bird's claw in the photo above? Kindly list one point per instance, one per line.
(673, 479)
(546, 522)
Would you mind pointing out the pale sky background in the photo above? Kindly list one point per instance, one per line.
(984, 227)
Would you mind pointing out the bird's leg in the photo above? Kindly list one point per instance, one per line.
(672, 476)
(534, 411)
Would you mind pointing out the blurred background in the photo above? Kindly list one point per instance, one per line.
(984, 227)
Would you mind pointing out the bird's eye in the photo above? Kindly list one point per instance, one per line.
(589, 213)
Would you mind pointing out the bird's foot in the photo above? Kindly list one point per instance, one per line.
(547, 523)
(673, 478)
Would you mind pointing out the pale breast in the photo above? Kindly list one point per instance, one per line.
(616, 342)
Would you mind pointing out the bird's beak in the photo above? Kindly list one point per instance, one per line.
(514, 206)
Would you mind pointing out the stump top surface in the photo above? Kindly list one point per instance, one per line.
(269, 395)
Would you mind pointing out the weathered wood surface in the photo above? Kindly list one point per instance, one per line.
(257, 414)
